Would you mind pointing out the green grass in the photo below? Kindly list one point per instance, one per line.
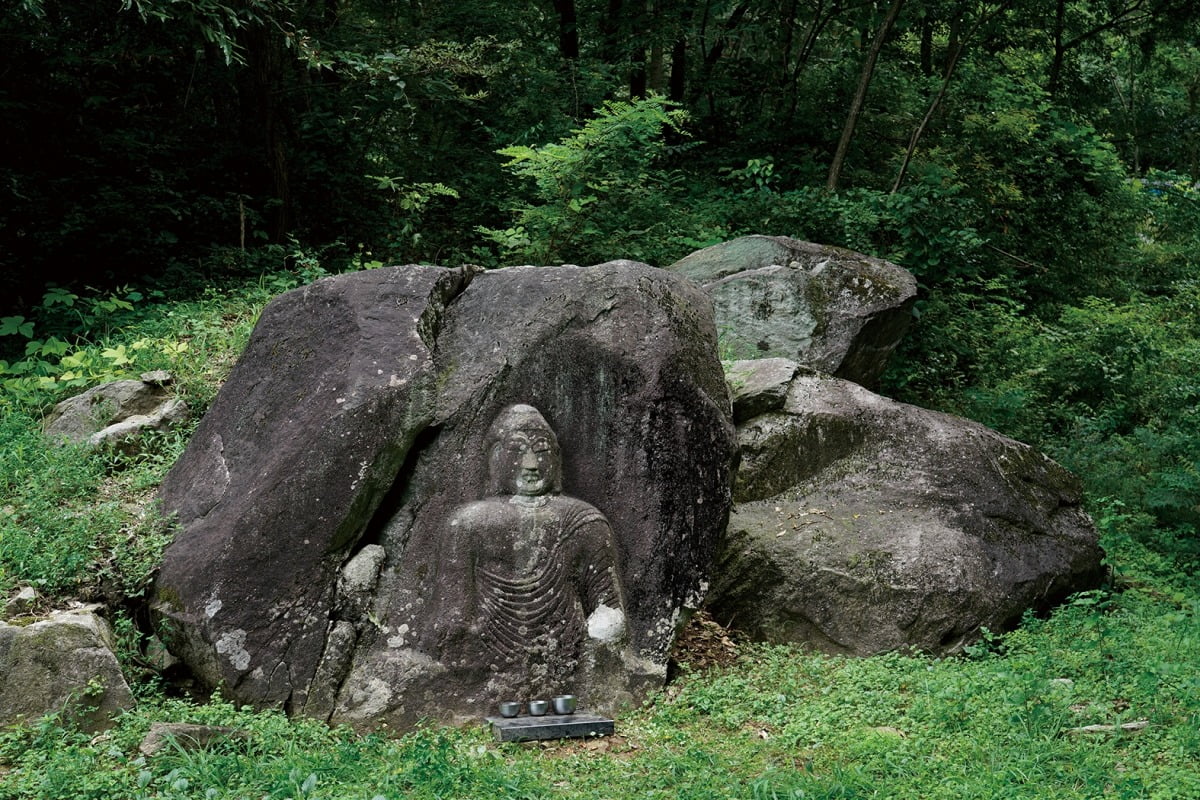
(79, 524)
(779, 723)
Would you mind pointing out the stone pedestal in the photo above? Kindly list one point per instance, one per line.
(551, 726)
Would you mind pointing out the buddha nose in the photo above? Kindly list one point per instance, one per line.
(530, 460)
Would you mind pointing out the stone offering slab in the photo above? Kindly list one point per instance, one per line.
(551, 726)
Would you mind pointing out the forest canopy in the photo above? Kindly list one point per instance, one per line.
(972, 139)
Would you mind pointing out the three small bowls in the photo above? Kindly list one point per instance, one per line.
(562, 704)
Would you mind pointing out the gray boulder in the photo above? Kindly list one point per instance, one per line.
(863, 525)
(116, 413)
(64, 663)
(337, 551)
(186, 737)
(759, 386)
(827, 308)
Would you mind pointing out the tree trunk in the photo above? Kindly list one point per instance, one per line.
(1193, 150)
(860, 96)
(568, 29)
(933, 107)
(610, 33)
(718, 49)
(267, 120)
(952, 58)
(637, 75)
(656, 67)
(821, 19)
(927, 47)
(678, 70)
(1060, 49)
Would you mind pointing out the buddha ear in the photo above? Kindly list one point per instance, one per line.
(497, 470)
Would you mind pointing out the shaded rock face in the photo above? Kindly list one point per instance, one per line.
(115, 413)
(357, 542)
(862, 525)
(827, 308)
(62, 663)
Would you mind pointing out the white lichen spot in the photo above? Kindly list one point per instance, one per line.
(399, 639)
(372, 699)
(212, 608)
(606, 624)
(232, 644)
(340, 400)
(396, 380)
(668, 624)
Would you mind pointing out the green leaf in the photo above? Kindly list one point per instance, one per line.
(10, 326)
(54, 347)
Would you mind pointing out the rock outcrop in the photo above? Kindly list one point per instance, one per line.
(863, 525)
(61, 664)
(116, 413)
(827, 308)
(328, 506)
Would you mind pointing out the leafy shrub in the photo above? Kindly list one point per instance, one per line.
(1109, 389)
(1169, 234)
(601, 193)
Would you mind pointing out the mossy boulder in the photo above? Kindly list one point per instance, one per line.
(61, 664)
(827, 308)
(863, 525)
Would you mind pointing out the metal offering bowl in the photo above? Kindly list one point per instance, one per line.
(538, 708)
(565, 704)
(510, 709)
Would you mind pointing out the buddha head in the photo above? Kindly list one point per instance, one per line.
(523, 454)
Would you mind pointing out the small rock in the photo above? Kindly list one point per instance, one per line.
(115, 413)
(759, 386)
(24, 600)
(186, 736)
(159, 377)
(1127, 727)
(159, 657)
(890, 732)
(64, 663)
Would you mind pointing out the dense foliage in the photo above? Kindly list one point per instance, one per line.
(166, 166)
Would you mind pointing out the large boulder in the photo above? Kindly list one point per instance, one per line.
(827, 308)
(346, 515)
(61, 664)
(864, 525)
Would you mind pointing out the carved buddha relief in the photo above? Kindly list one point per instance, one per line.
(529, 586)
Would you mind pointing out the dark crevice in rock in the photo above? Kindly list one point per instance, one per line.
(444, 293)
(398, 496)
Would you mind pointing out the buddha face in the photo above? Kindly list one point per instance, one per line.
(524, 458)
(531, 457)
